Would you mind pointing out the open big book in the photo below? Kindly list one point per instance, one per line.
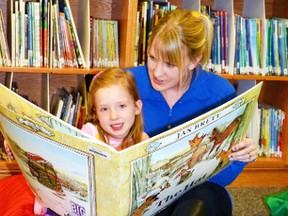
(73, 173)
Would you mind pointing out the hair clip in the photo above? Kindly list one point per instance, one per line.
(96, 75)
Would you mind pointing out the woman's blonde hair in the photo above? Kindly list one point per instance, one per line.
(182, 29)
(105, 79)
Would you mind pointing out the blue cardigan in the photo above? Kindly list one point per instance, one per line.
(207, 91)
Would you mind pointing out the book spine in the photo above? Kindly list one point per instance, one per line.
(75, 42)
(222, 42)
(66, 49)
(282, 47)
(5, 41)
(136, 45)
(226, 21)
(150, 13)
(45, 33)
(248, 53)
(275, 54)
(144, 8)
(253, 42)
(98, 38)
(236, 69)
(109, 43)
(259, 38)
(21, 33)
(268, 55)
(17, 57)
(95, 43)
(115, 41)
(36, 53)
(242, 68)
(41, 34)
(59, 37)
(33, 33)
(91, 42)
(72, 50)
(218, 44)
(104, 50)
(30, 34)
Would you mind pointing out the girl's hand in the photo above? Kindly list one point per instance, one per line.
(244, 151)
(8, 150)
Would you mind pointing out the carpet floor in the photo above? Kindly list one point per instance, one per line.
(249, 201)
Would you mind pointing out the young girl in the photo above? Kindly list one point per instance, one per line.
(114, 108)
(114, 113)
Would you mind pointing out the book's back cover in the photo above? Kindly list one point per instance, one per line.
(81, 174)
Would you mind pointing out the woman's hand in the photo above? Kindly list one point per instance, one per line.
(8, 150)
(244, 151)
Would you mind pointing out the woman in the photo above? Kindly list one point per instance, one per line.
(174, 89)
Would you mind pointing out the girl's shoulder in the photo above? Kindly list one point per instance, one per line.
(144, 136)
(90, 129)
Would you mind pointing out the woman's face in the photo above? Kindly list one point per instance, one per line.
(163, 75)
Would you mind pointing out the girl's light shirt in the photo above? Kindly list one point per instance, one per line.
(90, 129)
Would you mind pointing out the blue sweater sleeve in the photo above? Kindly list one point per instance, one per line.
(226, 176)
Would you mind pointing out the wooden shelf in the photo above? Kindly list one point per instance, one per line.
(41, 70)
(261, 177)
(268, 163)
(8, 168)
(255, 77)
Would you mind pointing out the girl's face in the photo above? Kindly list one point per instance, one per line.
(116, 110)
(163, 75)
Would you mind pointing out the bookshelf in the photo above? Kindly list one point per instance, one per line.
(45, 80)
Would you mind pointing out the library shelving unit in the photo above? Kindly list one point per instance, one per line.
(264, 171)
(40, 83)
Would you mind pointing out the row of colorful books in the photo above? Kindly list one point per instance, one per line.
(271, 131)
(219, 60)
(248, 49)
(43, 34)
(277, 46)
(247, 59)
(104, 43)
(148, 14)
(69, 106)
(252, 38)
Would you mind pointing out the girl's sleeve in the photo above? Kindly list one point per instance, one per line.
(226, 176)
(90, 129)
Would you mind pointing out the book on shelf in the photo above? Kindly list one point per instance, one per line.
(236, 68)
(148, 15)
(104, 44)
(66, 104)
(215, 64)
(268, 44)
(282, 42)
(282, 47)
(4, 48)
(275, 49)
(155, 11)
(219, 59)
(272, 123)
(72, 172)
